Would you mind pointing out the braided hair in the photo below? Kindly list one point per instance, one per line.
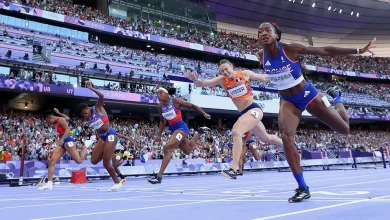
(277, 30)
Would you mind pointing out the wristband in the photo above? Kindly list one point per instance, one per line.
(357, 50)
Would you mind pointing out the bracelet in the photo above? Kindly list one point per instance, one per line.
(357, 50)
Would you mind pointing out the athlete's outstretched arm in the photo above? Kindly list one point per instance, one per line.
(330, 51)
(181, 102)
(61, 114)
(204, 83)
(123, 137)
(255, 76)
(100, 102)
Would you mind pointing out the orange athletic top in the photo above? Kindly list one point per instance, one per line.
(237, 88)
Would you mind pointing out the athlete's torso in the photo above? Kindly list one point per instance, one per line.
(282, 72)
(171, 113)
(97, 120)
(239, 90)
(59, 128)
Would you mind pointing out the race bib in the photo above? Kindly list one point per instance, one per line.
(111, 138)
(70, 144)
(281, 80)
(237, 90)
(179, 136)
(171, 114)
(97, 124)
(255, 113)
(118, 157)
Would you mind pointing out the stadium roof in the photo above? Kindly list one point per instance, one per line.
(323, 20)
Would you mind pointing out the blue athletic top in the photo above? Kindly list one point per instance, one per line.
(97, 120)
(282, 72)
(171, 113)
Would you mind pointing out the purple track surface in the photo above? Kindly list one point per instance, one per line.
(355, 194)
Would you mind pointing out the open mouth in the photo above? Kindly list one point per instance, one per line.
(265, 39)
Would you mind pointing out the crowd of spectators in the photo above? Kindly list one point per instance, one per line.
(22, 128)
(354, 93)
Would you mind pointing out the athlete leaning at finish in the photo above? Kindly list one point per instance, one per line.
(66, 143)
(249, 144)
(237, 84)
(105, 147)
(281, 64)
(169, 109)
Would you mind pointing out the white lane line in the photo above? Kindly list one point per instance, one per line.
(199, 202)
(136, 209)
(319, 208)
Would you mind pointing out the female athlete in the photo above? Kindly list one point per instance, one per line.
(237, 84)
(66, 143)
(105, 146)
(249, 144)
(169, 109)
(280, 62)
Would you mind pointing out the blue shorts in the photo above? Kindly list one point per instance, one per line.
(303, 98)
(68, 139)
(180, 125)
(104, 136)
(252, 106)
(250, 142)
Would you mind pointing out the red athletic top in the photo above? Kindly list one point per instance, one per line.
(59, 128)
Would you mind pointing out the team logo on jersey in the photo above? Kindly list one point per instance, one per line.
(282, 59)
(267, 63)
(238, 79)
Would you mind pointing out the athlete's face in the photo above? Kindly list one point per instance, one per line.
(50, 120)
(86, 112)
(226, 69)
(162, 96)
(267, 34)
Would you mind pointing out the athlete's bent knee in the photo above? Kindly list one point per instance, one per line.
(94, 162)
(288, 139)
(344, 129)
(168, 148)
(237, 133)
(52, 163)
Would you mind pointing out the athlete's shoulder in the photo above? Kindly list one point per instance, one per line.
(177, 101)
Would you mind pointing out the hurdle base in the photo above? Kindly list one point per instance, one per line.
(16, 184)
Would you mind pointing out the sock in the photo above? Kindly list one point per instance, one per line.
(299, 178)
(337, 100)
(121, 176)
(50, 182)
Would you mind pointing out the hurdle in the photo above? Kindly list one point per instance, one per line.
(374, 166)
(323, 167)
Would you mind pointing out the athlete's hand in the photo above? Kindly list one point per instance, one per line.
(88, 84)
(207, 116)
(191, 76)
(56, 110)
(369, 46)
